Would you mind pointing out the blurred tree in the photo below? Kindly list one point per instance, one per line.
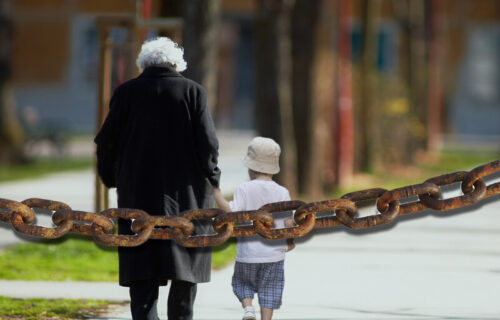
(304, 54)
(437, 35)
(368, 109)
(199, 39)
(412, 18)
(274, 117)
(313, 93)
(418, 75)
(11, 135)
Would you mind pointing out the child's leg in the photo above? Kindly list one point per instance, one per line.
(249, 311)
(266, 313)
(243, 284)
(247, 302)
(270, 289)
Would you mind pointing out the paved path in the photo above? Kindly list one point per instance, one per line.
(425, 266)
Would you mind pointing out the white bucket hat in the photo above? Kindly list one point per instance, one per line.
(263, 155)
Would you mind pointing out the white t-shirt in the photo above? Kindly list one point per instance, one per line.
(252, 195)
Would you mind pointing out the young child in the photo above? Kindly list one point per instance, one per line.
(259, 262)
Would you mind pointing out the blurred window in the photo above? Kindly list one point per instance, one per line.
(387, 48)
(356, 43)
(483, 64)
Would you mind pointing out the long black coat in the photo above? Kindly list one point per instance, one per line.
(158, 147)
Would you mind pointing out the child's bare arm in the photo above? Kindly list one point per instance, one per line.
(289, 223)
(290, 242)
(221, 202)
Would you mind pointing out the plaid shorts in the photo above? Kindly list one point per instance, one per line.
(265, 279)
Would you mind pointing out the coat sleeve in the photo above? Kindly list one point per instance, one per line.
(107, 142)
(206, 143)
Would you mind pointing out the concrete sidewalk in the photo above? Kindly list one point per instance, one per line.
(425, 266)
(441, 266)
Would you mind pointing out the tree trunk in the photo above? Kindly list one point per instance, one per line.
(199, 39)
(418, 77)
(436, 66)
(273, 82)
(409, 123)
(11, 135)
(368, 110)
(304, 54)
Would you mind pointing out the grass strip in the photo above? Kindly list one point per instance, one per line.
(75, 259)
(395, 176)
(40, 167)
(223, 254)
(60, 309)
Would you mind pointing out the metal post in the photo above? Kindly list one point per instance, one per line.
(103, 96)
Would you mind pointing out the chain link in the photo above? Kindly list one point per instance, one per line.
(341, 211)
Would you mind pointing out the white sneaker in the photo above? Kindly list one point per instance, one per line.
(249, 313)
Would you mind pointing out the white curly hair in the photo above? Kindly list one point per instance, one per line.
(161, 51)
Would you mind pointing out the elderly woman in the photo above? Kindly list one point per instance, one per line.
(159, 149)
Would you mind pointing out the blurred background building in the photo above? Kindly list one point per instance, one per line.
(343, 85)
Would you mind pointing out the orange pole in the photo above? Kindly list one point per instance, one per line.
(344, 134)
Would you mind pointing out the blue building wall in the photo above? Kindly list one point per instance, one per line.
(475, 106)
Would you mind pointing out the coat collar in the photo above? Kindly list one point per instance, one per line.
(159, 72)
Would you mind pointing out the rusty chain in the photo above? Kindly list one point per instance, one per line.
(341, 211)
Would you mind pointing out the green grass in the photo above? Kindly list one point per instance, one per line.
(34, 309)
(452, 160)
(40, 167)
(223, 254)
(393, 177)
(75, 259)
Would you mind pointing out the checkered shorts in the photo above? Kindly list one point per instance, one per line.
(265, 279)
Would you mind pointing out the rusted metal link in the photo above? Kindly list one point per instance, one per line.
(349, 218)
(197, 214)
(333, 206)
(14, 206)
(104, 237)
(223, 229)
(20, 220)
(304, 219)
(226, 224)
(223, 234)
(282, 206)
(408, 192)
(477, 173)
(436, 203)
(290, 232)
(265, 218)
(483, 171)
(81, 216)
(182, 224)
(492, 190)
